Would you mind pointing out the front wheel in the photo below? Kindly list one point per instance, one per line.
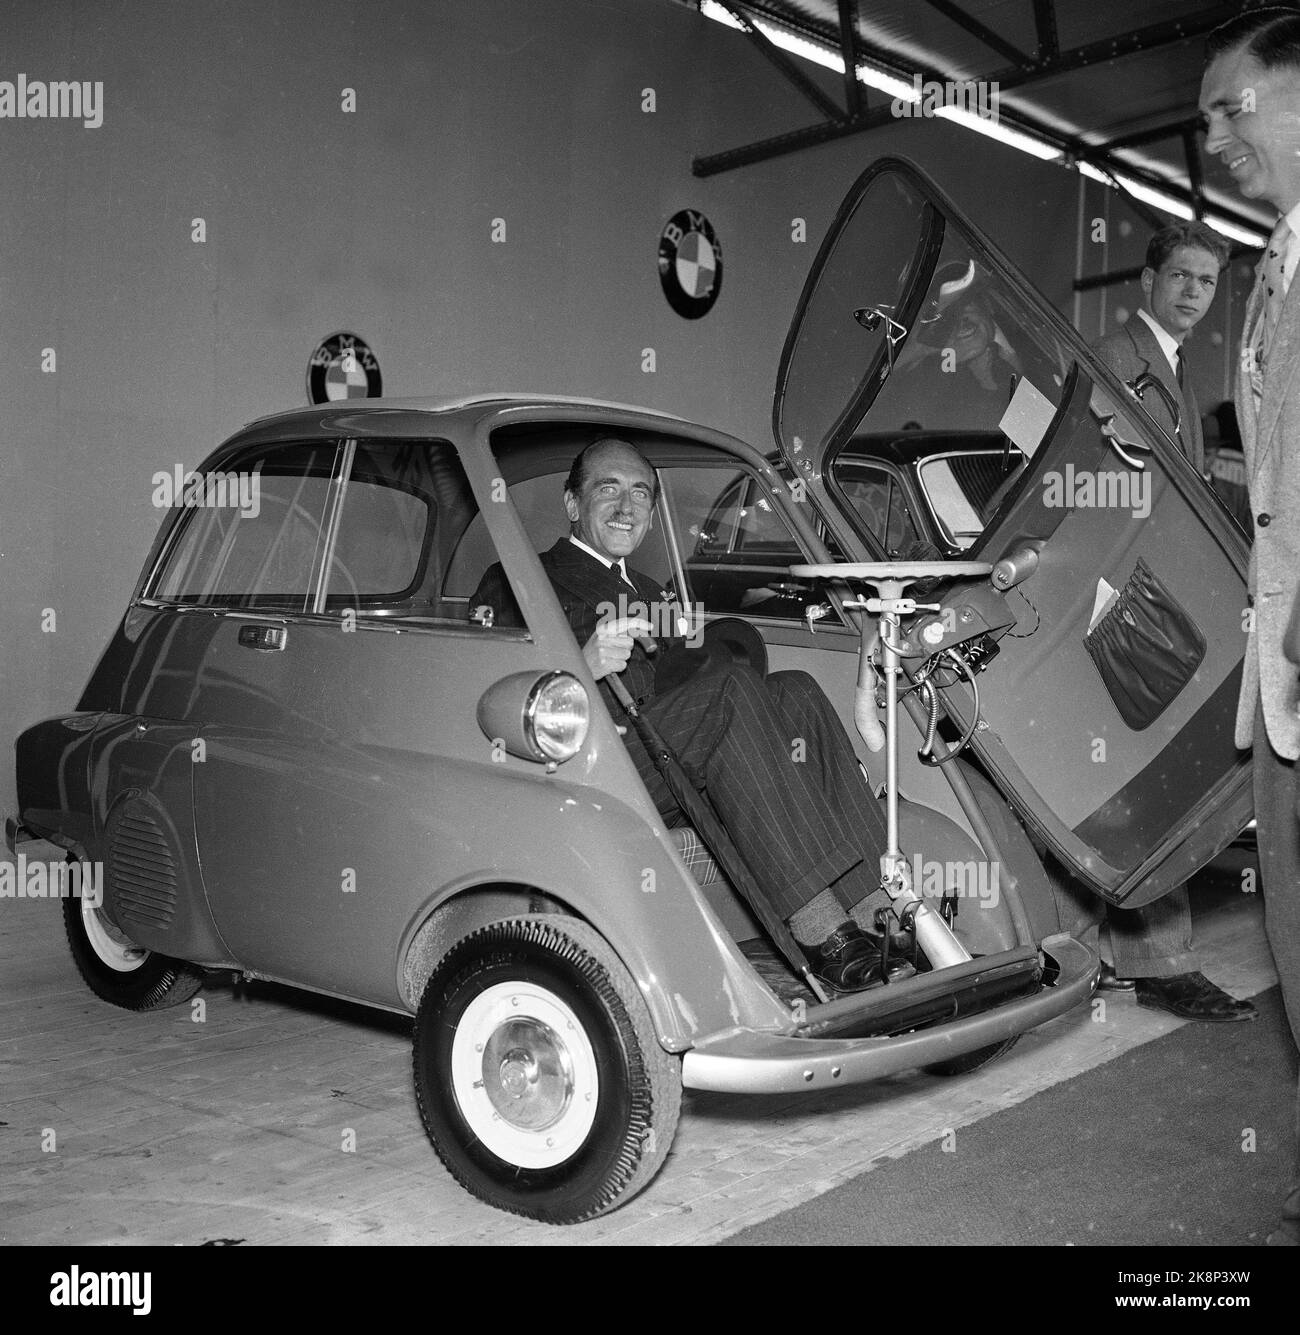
(117, 970)
(538, 1074)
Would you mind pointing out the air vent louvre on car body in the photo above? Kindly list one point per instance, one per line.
(141, 868)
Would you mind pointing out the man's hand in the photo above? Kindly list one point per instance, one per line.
(611, 646)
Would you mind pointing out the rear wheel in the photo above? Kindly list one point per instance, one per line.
(117, 970)
(538, 1074)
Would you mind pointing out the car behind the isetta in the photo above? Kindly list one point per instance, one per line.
(301, 757)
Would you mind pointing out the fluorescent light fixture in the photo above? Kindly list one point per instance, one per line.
(887, 83)
(797, 46)
(710, 9)
(1255, 240)
(1037, 148)
(1177, 207)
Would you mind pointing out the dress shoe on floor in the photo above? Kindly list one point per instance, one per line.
(847, 960)
(1193, 997)
(1111, 982)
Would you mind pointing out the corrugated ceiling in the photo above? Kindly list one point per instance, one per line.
(1092, 72)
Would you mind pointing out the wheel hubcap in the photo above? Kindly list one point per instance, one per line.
(109, 945)
(534, 1074)
(524, 1074)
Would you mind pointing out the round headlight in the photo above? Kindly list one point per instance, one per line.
(556, 716)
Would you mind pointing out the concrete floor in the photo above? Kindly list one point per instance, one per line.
(161, 1128)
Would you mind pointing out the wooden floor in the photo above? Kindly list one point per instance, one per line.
(122, 1128)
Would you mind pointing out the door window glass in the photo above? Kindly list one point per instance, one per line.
(253, 536)
(736, 546)
(881, 502)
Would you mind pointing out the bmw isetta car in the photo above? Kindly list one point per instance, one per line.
(302, 757)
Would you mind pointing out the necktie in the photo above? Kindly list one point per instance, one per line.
(1273, 280)
(1180, 367)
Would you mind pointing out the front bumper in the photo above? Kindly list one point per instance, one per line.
(745, 1061)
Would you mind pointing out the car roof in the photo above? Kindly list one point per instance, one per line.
(441, 405)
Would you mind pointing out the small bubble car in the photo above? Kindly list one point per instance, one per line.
(302, 758)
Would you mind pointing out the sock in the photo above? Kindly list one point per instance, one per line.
(818, 918)
(864, 911)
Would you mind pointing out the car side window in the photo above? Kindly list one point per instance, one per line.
(349, 527)
(963, 489)
(735, 544)
(881, 502)
(252, 536)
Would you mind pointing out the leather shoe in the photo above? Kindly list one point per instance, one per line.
(1111, 982)
(1193, 997)
(847, 960)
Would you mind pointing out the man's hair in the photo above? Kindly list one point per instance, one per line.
(1167, 240)
(578, 471)
(1270, 35)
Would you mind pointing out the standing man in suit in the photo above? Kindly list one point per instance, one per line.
(1250, 100)
(1182, 269)
(803, 816)
(1151, 948)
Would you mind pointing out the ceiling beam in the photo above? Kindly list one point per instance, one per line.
(785, 65)
(1049, 45)
(986, 35)
(1131, 43)
(1170, 130)
(849, 52)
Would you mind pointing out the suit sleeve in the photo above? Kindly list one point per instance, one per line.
(494, 592)
(1110, 352)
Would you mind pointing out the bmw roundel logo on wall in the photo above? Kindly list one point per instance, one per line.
(342, 367)
(690, 264)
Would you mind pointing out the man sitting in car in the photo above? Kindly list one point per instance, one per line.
(809, 827)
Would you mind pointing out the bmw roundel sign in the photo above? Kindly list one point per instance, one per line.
(343, 367)
(690, 264)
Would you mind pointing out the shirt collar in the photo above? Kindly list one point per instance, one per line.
(1168, 343)
(606, 561)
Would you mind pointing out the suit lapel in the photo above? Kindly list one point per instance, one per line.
(588, 580)
(1247, 407)
(1280, 369)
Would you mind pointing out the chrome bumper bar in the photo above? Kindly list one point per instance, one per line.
(745, 1061)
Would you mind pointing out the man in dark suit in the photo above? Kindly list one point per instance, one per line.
(769, 751)
(1182, 269)
(1250, 100)
(1151, 948)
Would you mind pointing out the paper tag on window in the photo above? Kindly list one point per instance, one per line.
(1027, 417)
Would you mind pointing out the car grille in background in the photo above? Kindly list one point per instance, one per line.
(141, 869)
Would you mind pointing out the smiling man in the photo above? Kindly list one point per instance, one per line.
(1250, 101)
(769, 751)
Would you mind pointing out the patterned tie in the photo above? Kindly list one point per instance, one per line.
(1272, 277)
